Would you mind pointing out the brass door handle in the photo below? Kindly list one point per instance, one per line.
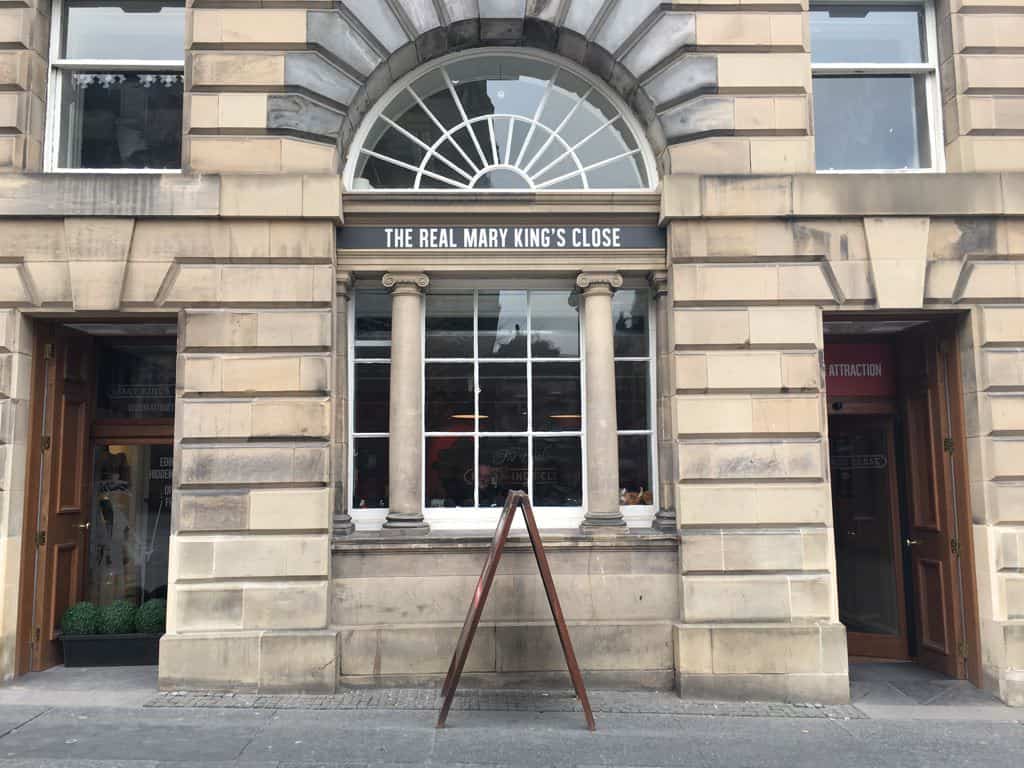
(84, 526)
(910, 542)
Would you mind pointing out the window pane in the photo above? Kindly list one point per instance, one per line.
(450, 402)
(502, 324)
(506, 92)
(556, 397)
(372, 396)
(503, 397)
(449, 471)
(110, 32)
(135, 381)
(630, 318)
(858, 34)
(504, 467)
(373, 324)
(121, 120)
(449, 325)
(557, 472)
(631, 395)
(130, 528)
(370, 472)
(635, 469)
(554, 324)
(889, 115)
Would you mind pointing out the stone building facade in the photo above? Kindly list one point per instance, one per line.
(328, 257)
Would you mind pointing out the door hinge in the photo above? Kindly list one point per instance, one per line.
(954, 546)
(40, 538)
(947, 444)
(961, 649)
(44, 442)
(36, 635)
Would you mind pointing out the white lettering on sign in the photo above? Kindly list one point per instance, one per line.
(855, 370)
(502, 238)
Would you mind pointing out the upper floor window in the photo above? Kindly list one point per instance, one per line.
(116, 85)
(500, 120)
(876, 101)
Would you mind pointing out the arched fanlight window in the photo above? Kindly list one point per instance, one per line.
(500, 119)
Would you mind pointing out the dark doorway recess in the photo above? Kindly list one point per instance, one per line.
(98, 485)
(897, 460)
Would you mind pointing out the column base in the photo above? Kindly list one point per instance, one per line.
(342, 529)
(409, 527)
(265, 662)
(766, 662)
(665, 520)
(604, 526)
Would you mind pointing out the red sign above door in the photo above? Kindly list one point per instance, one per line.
(859, 370)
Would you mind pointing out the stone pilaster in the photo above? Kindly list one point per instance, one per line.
(603, 515)
(405, 462)
(341, 520)
(665, 517)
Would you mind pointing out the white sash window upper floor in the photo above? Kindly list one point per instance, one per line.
(876, 93)
(116, 86)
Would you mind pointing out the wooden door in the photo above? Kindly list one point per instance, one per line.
(62, 485)
(932, 542)
(869, 560)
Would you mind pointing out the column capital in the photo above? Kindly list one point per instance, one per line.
(343, 284)
(406, 282)
(659, 283)
(598, 282)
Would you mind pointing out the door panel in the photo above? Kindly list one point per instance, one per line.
(931, 532)
(64, 511)
(868, 552)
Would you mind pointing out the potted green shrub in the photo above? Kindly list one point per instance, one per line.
(115, 635)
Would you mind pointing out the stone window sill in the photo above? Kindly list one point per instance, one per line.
(440, 541)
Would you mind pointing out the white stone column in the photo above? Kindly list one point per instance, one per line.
(405, 443)
(341, 522)
(603, 516)
(665, 517)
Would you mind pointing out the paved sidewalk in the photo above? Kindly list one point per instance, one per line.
(111, 718)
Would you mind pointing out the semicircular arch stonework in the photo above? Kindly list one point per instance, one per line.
(360, 48)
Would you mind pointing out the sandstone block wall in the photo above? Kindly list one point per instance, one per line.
(754, 263)
(398, 609)
(15, 390)
(982, 83)
(24, 49)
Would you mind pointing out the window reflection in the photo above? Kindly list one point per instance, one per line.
(486, 404)
(491, 120)
(129, 534)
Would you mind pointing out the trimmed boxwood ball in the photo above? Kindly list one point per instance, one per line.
(81, 619)
(118, 618)
(151, 618)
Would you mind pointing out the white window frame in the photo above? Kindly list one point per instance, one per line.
(485, 518)
(357, 146)
(929, 68)
(55, 86)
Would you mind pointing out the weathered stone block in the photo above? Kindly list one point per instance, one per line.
(305, 662)
(751, 460)
(224, 661)
(213, 511)
(270, 556)
(717, 598)
(536, 648)
(286, 509)
(795, 503)
(249, 464)
(300, 605)
(411, 650)
(208, 609)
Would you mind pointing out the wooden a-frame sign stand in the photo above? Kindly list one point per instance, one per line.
(514, 500)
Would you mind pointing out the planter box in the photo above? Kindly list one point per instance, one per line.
(110, 650)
